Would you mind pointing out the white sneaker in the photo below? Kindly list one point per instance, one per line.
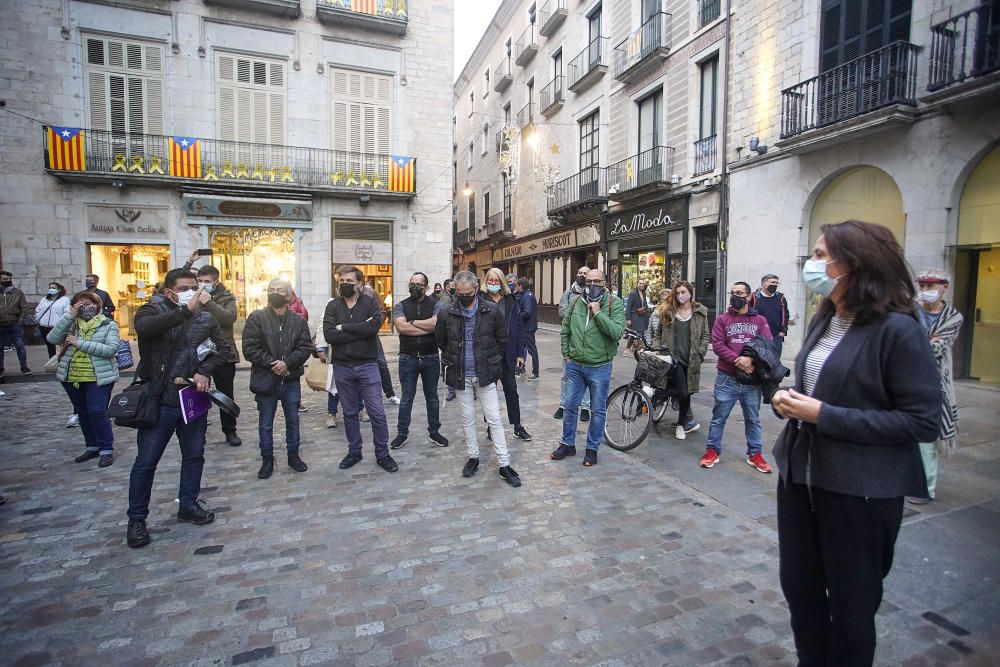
(331, 421)
(363, 415)
(679, 432)
(394, 400)
(74, 420)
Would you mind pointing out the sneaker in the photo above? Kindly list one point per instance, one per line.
(757, 461)
(397, 442)
(296, 463)
(25, 370)
(470, 467)
(558, 414)
(509, 475)
(439, 439)
(691, 426)
(584, 415)
(303, 408)
(363, 415)
(520, 432)
(106, 460)
(266, 467)
(680, 433)
(73, 421)
(331, 421)
(388, 464)
(918, 501)
(562, 451)
(710, 458)
(393, 399)
(86, 456)
(533, 377)
(349, 461)
(590, 458)
(450, 396)
(195, 513)
(137, 535)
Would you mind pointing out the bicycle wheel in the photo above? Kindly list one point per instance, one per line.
(628, 421)
(660, 409)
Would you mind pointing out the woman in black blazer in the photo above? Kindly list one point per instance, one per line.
(866, 392)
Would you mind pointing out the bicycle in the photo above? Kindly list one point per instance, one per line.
(634, 407)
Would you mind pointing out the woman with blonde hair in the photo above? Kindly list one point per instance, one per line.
(496, 291)
(683, 328)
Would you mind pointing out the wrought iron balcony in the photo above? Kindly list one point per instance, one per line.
(551, 16)
(589, 65)
(499, 224)
(286, 8)
(502, 141)
(481, 234)
(526, 116)
(383, 15)
(710, 10)
(648, 171)
(586, 188)
(550, 98)
(965, 46)
(643, 49)
(502, 76)
(463, 238)
(704, 155)
(875, 80)
(526, 46)
(150, 159)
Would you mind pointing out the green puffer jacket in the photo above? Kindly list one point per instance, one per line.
(597, 343)
(102, 348)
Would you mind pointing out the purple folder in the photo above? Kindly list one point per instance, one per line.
(194, 403)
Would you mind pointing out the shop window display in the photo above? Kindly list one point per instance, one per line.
(129, 273)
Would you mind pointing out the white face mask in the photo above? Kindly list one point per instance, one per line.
(184, 298)
(929, 296)
(208, 287)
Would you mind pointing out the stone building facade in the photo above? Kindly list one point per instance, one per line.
(320, 134)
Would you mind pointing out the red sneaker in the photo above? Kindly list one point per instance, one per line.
(758, 462)
(710, 458)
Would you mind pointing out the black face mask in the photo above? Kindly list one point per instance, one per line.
(346, 290)
(581, 281)
(277, 300)
(451, 291)
(771, 289)
(5, 284)
(416, 291)
(466, 299)
(737, 302)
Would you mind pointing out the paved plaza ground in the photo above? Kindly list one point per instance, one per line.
(645, 559)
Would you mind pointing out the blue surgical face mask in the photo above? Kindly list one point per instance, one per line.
(493, 289)
(815, 277)
(595, 292)
(52, 291)
(207, 286)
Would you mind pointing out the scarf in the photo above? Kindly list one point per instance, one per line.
(945, 330)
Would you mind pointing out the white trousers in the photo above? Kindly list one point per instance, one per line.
(490, 401)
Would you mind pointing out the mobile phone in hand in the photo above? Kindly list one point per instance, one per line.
(202, 252)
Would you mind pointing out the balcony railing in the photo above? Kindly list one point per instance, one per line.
(589, 65)
(384, 15)
(526, 116)
(499, 224)
(878, 79)
(501, 141)
(551, 16)
(502, 76)
(550, 98)
(158, 158)
(286, 8)
(587, 187)
(653, 167)
(965, 46)
(704, 155)
(710, 10)
(481, 234)
(526, 46)
(463, 238)
(643, 48)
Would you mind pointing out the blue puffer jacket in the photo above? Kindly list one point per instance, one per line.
(102, 348)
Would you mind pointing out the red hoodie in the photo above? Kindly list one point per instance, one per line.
(731, 332)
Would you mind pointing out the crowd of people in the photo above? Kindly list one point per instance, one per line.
(870, 406)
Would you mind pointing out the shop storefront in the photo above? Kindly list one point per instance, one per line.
(129, 250)
(648, 243)
(366, 244)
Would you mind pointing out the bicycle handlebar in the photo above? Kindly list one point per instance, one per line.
(632, 334)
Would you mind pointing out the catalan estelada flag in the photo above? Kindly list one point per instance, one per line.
(65, 146)
(364, 6)
(401, 174)
(185, 157)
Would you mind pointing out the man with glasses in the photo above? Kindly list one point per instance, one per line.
(415, 318)
(277, 344)
(591, 329)
(351, 324)
(575, 290)
(732, 330)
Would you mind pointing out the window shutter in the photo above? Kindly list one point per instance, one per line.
(125, 86)
(97, 85)
(244, 115)
(227, 112)
(260, 121)
(135, 105)
(154, 106)
(154, 59)
(252, 107)
(362, 108)
(226, 64)
(116, 54)
(95, 52)
(277, 114)
(116, 89)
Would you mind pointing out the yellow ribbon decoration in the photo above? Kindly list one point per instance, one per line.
(629, 172)
(137, 164)
(365, 181)
(377, 182)
(227, 169)
(286, 175)
(210, 174)
(154, 165)
(401, 8)
(352, 179)
(119, 163)
(337, 177)
(242, 171)
(258, 172)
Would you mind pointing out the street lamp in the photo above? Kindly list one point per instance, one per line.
(467, 191)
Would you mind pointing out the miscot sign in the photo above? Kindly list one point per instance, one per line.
(551, 243)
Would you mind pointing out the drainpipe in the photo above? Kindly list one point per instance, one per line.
(721, 288)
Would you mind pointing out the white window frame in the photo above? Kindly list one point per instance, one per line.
(139, 64)
(254, 88)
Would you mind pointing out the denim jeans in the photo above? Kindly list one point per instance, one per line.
(596, 380)
(13, 334)
(727, 392)
(290, 396)
(332, 403)
(90, 403)
(150, 444)
(428, 369)
(490, 401)
(929, 456)
(564, 391)
(360, 386)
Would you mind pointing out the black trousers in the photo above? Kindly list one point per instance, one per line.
(835, 550)
(509, 383)
(531, 349)
(223, 378)
(43, 332)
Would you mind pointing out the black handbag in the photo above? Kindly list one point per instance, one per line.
(137, 406)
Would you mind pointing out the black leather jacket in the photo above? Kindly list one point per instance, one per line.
(267, 338)
(489, 340)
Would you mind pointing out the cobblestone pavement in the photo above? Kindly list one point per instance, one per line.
(626, 563)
